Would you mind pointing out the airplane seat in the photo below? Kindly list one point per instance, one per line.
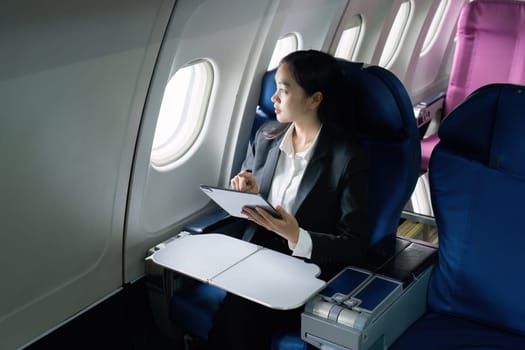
(265, 110)
(477, 183)
(382, 119)
(490, 48)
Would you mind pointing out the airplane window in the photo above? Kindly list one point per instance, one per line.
(182, 112)
(397, 33)
(349, 39)
(285, 45)
(435, 26)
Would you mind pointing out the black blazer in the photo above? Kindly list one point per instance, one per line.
(332, 199)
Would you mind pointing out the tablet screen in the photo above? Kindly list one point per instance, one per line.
(234, 201)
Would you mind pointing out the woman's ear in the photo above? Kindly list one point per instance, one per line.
(315, 100)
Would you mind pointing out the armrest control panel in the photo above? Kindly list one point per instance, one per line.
(429, 109)
(359, 309)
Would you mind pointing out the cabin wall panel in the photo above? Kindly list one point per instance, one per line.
(409, 45)
(374, 15)
(315, 20)
(73, 78)
(429, 72)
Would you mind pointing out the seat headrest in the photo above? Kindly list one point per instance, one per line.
(497, 113)
(380, 102)
(268, 88)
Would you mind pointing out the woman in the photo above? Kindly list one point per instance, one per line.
(315, 176)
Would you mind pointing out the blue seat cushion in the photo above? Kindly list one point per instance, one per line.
(435, 331)
(289, 341)
(195, 307)
(477, 195)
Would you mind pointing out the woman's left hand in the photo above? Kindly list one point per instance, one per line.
(286, 227)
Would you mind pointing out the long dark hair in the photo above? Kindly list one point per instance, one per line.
(316, 71)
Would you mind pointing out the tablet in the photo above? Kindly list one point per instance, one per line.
(233, 201)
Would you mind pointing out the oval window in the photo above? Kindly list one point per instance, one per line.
(396, 35)
(349, 38)
(182, 112)
(285, 45)
(435, 26)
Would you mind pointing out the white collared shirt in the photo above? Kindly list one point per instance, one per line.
(286, 180)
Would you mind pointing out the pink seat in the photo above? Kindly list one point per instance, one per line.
(490, 48)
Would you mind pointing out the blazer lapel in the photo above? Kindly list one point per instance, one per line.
(313, 170)
(269, 168)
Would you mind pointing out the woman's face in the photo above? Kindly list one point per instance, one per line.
(290, 100)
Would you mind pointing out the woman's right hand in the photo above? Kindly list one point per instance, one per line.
(245, 181)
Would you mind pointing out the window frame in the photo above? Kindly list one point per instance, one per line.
(399, 29)
(190, 119)
(435, 27)
(346, 49)
(280, 51)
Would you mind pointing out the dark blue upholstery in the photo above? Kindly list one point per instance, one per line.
(289, 341)
(436, 331)
(477, 184)
(380, 115)
(384, 122)
(194, 308)
(265, 110)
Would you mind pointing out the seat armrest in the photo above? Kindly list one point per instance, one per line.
(207, 223)
(410, 262)
(369, 314)
(404, 259)
(218, 221)
(382, 252)
(429, 109)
